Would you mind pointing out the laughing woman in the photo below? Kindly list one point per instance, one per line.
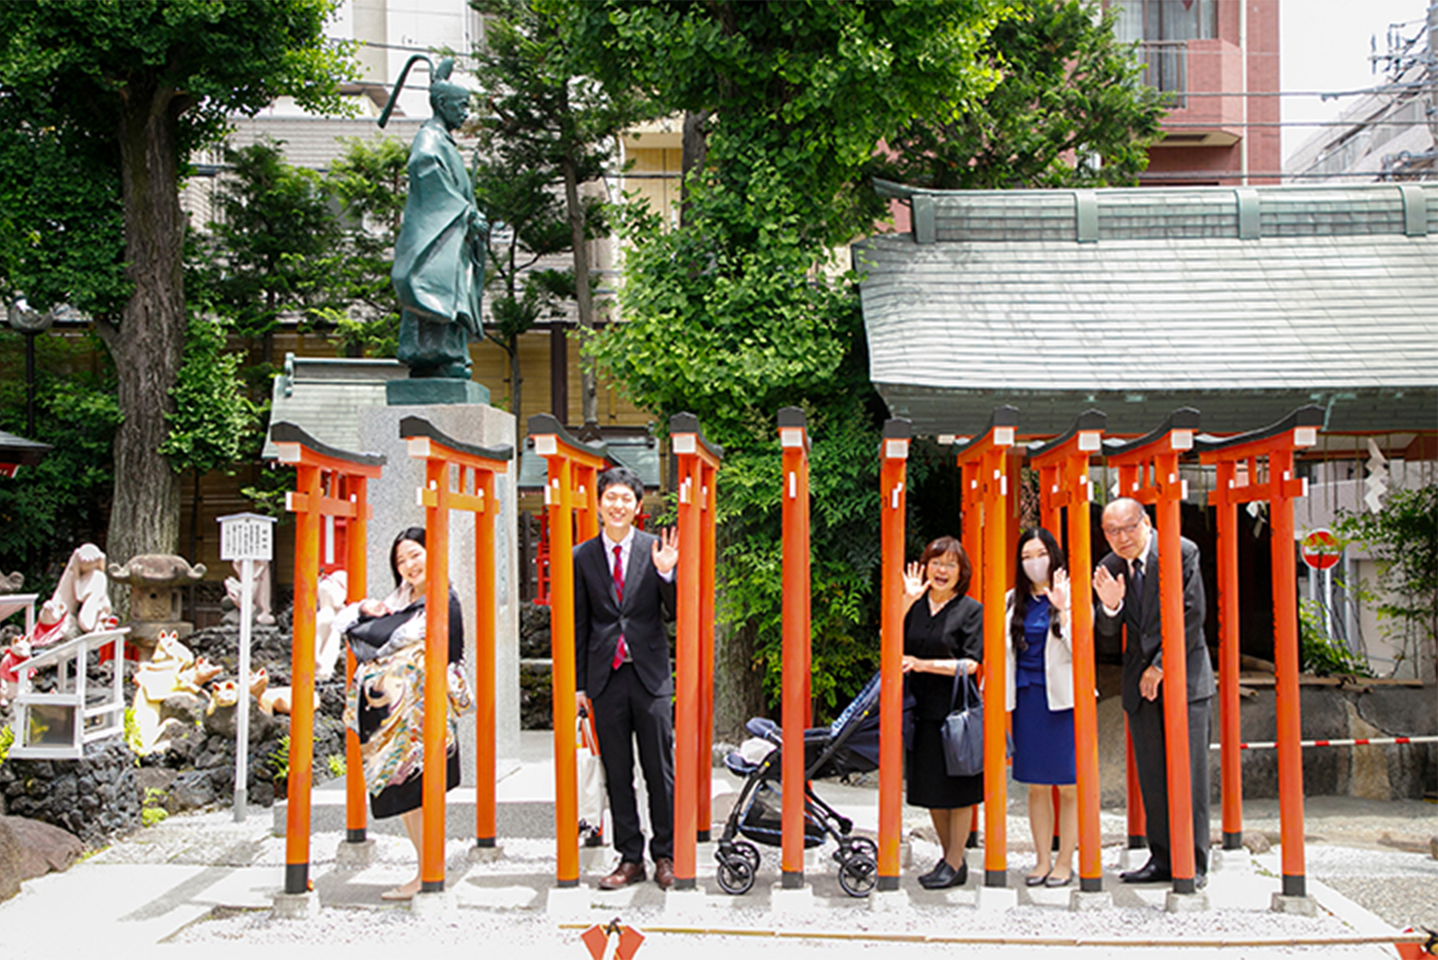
(943, 634)
(385, 703)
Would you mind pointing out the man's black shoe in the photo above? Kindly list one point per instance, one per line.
(1200, 881)
(1148, 873)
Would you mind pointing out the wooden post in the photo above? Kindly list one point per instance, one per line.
(571, 464)
(1065, 484)
(794, 441)
(894, 454)
(1278, 443)
(988, 490)
(695, 461)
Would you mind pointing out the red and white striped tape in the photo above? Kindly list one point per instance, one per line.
(1367, 741)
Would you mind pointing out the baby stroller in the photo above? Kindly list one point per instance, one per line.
(848, 745)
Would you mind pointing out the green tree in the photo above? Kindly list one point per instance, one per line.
(132, 87)
(1403, 538)
(48, 510)
(274, 249)
(1068, 110)
(553, 120)
(214, 424)
(734, 315)
(371, 183)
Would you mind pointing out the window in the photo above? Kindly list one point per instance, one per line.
(1166, 19)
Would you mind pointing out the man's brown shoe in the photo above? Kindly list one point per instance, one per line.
(664, 873)
(625, 874)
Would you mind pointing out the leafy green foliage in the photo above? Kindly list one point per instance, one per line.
(1320, 654)
(1403, 538)
(7, 740)
(214, 424)
(734, 315)
(49, 509)
(1068, 94)
(551, 129)
(274, 248)
(371, 184)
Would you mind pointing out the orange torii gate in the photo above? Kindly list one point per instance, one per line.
(573, 504)
(328, 483)
(1148, 472)
(1236, 460)
(796, 708)
(983, 461)
(893, 455)
(697, 466)
(458, 476)
(1064, 483)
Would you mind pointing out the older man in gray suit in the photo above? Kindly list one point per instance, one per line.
(1126, 582)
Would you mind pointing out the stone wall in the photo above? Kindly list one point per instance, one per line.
(95, 797)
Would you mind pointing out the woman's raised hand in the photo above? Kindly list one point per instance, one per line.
(1058, 590)
(914, 582)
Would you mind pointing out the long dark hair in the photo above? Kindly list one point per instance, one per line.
(408, 533)
(1023, 586)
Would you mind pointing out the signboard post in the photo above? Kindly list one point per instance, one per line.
(245, 537)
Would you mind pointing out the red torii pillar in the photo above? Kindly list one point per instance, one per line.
(1064, 482)
(1148, 473)
(458, 476)
(984, 462)
(697, 468)
(328, 482)
(1277, 444)
(794, 698)
(894, 455)
(572, 500)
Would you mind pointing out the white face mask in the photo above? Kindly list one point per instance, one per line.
(1037, 569)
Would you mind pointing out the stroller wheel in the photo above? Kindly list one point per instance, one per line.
(858, 874)
(749, 852)
(735, 875)
(856, 847)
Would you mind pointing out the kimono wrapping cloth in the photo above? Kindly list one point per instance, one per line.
(385, 703)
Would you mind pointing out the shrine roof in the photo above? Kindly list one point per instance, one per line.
(1243, 303)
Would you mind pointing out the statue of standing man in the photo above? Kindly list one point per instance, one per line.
(439, 255)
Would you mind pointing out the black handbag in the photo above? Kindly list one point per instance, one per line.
(963, 730)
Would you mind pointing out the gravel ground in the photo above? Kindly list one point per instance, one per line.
(503, 901)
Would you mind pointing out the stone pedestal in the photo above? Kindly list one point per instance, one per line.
(889, 901)
(791, 901)
(1301, 906)
(354, 855)
(685, 904)
(440, 903)
(1195, 902)
(567, 903)
(996, 899)
(1082, 901)
(297, 906)
(395, 508)
(427, 391)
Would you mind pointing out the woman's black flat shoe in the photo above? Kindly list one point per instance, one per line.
(944, 876)
(1052, 881)
(1036, 881)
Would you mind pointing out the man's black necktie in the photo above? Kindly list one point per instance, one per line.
(1136, 588)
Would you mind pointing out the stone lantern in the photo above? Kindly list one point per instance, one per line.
(156, 581)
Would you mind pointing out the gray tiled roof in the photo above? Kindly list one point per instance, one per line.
(1333, 300)
(322, 396)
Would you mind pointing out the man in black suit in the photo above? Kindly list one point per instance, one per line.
(1126, 582)
(623, 593)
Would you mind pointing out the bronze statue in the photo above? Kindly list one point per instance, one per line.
(439, 255)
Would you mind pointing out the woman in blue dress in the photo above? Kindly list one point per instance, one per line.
(1039, 682)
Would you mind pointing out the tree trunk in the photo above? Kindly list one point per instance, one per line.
(516, 381)
(695, 149)
(588, 389)
(739, 686)
(148, 344)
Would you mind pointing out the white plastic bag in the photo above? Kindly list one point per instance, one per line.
(591, 783)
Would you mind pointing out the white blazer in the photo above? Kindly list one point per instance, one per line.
(1058, 663)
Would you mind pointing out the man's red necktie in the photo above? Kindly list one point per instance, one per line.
(622, 650)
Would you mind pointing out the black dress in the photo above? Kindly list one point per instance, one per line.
(956, 631)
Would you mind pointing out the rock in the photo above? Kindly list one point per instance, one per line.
(1256, 843)
(1433, 847)
(29, 849)
(184, 706)
(191, 789)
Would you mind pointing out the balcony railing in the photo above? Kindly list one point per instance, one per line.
(1165, 68)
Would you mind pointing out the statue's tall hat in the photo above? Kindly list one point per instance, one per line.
(439, 80)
